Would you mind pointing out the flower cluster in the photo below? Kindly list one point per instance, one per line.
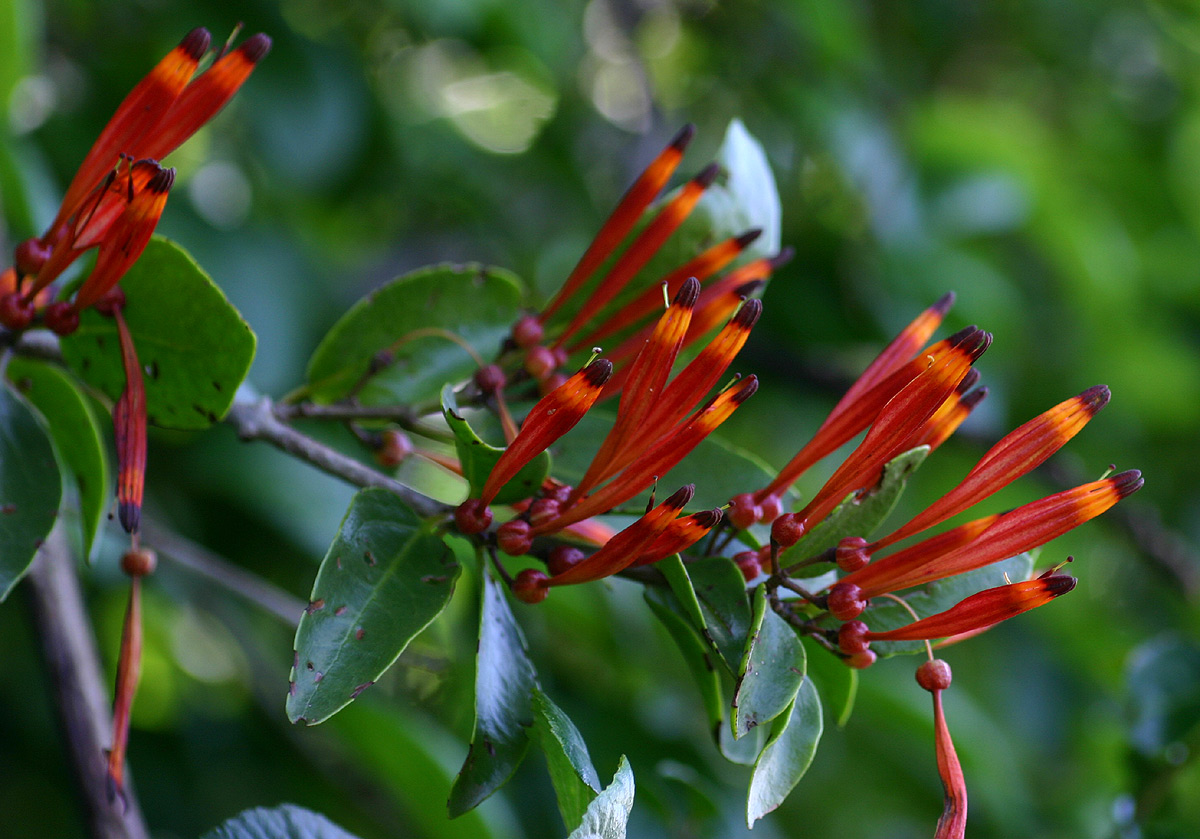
(913, 396)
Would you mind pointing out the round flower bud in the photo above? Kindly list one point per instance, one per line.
(15, 312)
(543, 510)
(770, 508)
(139, 563)
(539, 361)
(112, 300)
(747, 563)
(472, 516)
(394, 447)
(559, 492)
(527, 332)
(852, 554)
(61, 318)
(514, 537)
(30, 256)
(934, 675)
(563, 557)
(489, 378)
(787, 530)
(845, 601)
(863, 660)
(852, 637)
(530, 586)
(561, 356)
(743, 512)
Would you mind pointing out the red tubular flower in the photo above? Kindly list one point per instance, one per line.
(129, 668)
(953, 823)
(950, 416)
(879, 382)
(627, 546)
(981, 610)
(129, 423)
(553, 416)
(1015, 455)
(162, 111)
(680, 535)
(1006, 535)
(623, 218)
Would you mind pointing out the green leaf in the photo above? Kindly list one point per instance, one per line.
(478, 458)
(1162, 681)
(76, 434)
(857, 516)
(476, 303)
(697, 653)
(794, 739)
(504, 685)
(772, 669)
(384, 579)
(193, 345)
(286, 821)
(575, 781)
(719, 589)
(938, 596)
(835, 681)
(745, 750)
(30, 487)
(608, 816)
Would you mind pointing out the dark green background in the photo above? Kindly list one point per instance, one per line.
(1042, 159)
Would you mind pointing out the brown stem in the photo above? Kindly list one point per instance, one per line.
(80, 697)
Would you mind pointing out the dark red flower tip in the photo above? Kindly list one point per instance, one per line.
(681, 139)
(969, 381)
(680, 498)
(748, 314)
(747, 388)
(746, 239)
(1127, 483)
(974, 398)
(162, 181)
(130, 515)
(255, 47)
(749, 287)
(1095, 398)
(708, 519)
(196, 43)
(1059, 584)
(943, 303)
(961, 335)
(707, 175)
(782, 258)
(688, 293)
(598, 372)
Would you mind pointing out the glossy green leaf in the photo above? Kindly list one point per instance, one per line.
(575, 781)
(75, 430)
(772, 669)
(720, 590)
(194, 347)
(794, 738)
(938, 596)
(835, 682)
(386, 576)
(608, 816)
(30, 487)
(698, 654)
(857, 516)
(286, 821)
(407, 319)
(743, 751)
(504, 685)
(478, 458)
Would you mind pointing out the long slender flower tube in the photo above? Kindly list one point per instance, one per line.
(935, 676)
(103, 207)
(981, 610)
(1005, 535)
(129, 424)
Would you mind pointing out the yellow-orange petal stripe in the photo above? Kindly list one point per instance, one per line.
(203, 98)
(134, 118)
(939, 429)
(644, 246)
(981, 610)
(551, 417)
(1019, 452)
(625, 547)
(624, 217)
(901, 349)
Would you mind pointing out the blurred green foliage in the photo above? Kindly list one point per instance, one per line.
(1038, 158)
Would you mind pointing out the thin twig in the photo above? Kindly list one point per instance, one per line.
(73, 664)
(216, 569)
(256, 420)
